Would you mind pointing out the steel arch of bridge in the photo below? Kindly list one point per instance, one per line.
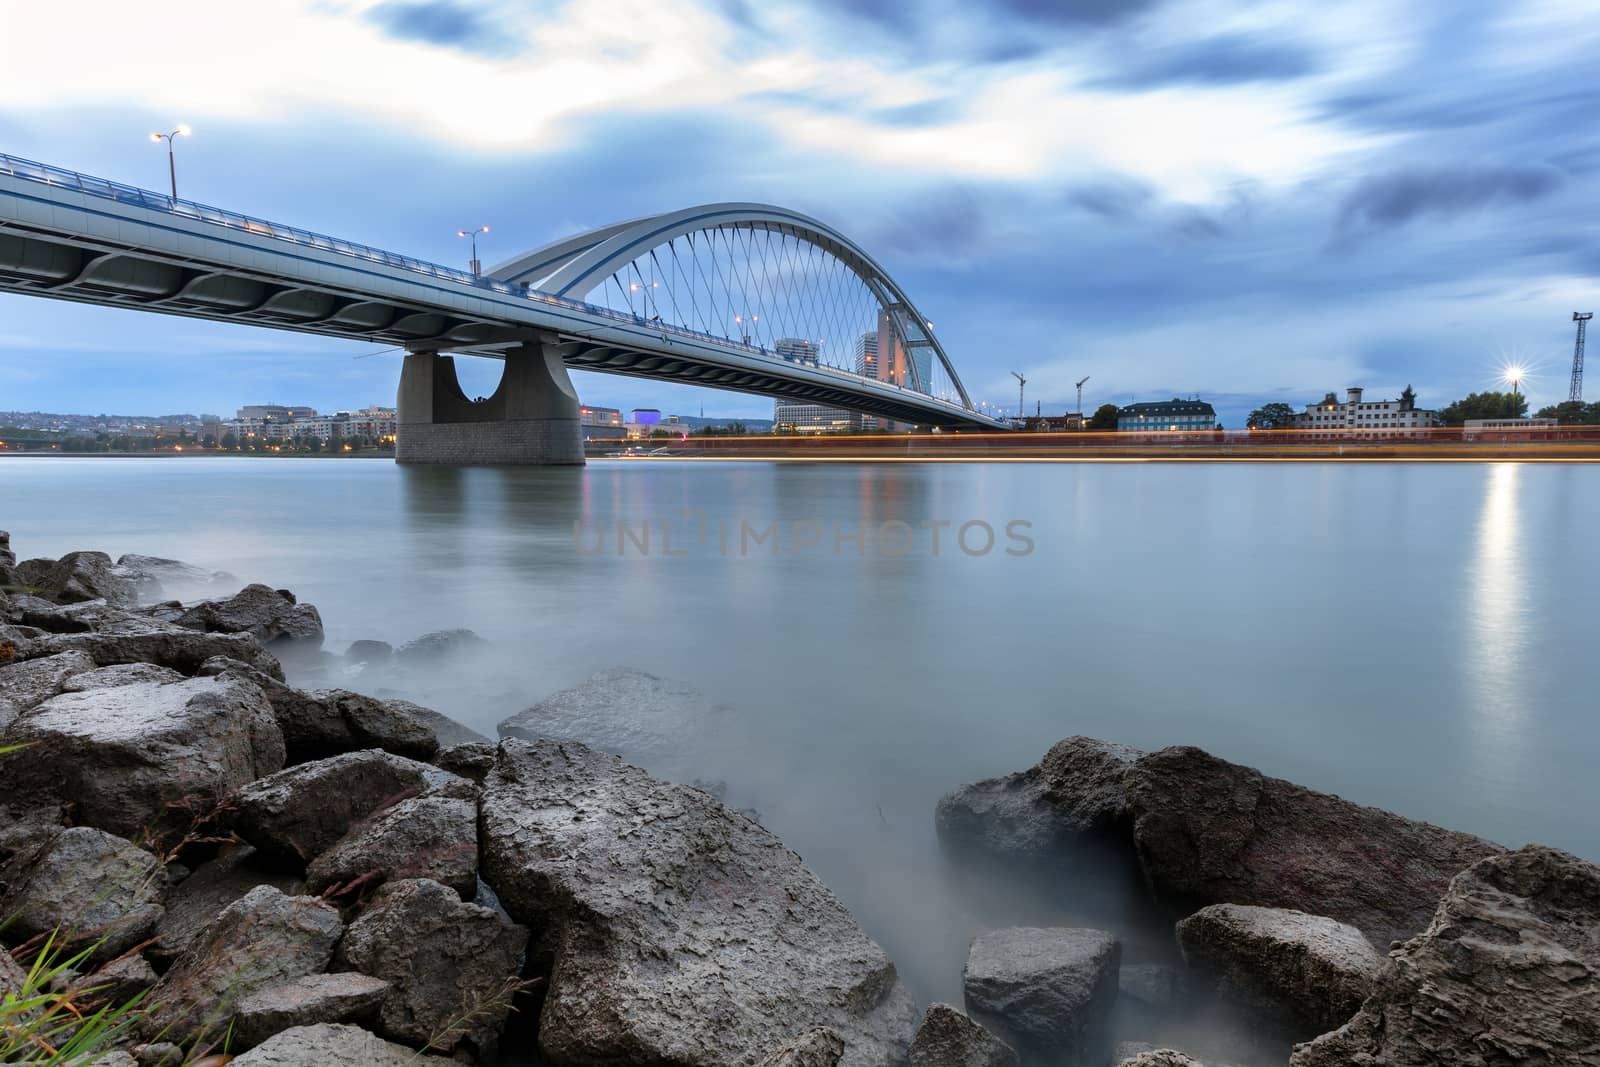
(575, 266)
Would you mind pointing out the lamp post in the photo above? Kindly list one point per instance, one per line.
(634, 287)
(172, 166)
(1514, 375)
(747, 321)
(474, 235)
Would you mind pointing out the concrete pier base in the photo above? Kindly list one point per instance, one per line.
(532, 418)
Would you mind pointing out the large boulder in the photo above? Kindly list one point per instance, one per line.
(1042, 816)
(153, 577)
(679, 931)
(947, 1038)
(1047, 992)
(194, 902)
(261, 940)
(397, 726)
(299, 813)
(819, 1048)
(347, 997)
(439, 646)
(1161, 1057)
(117, 675)
(421, 837)
(1213, 832)
(111, 636)
(452, 967)
(332, 1045)
(270, 615)
(1306, 971)
(142, 758)
(81, 576)
(1508, 972)
(24, 685)
(90, 889)
(642, 718)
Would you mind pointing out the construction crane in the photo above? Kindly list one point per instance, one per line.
(1080, 393)
(1022, 383)
(1575, 393)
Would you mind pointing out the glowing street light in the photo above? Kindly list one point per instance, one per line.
(634, 287)
(172, 166)
(474, 235)
(749, 320)
(1514, 375)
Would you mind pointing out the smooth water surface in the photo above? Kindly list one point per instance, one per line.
(1417, 636)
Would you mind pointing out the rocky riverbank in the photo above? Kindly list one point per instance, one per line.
(294, 876)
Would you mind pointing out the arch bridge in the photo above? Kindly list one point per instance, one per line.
(746, 297)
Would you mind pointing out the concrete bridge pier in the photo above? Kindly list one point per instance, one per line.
(532, 418)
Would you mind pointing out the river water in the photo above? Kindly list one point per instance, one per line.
(1412, 635)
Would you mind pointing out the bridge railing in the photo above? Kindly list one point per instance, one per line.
(46, 174)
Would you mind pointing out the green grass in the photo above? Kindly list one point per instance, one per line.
(45, 1028)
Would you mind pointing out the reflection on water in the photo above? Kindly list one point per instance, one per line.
(1415, 636)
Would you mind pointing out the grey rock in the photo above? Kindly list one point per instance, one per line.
(423, 837)
(270, 615)
(142, 758)
(1156, 986)
(316, 998)
(159, 1054)
(397, 726)
(331, 1045)
(1303, 970)
(114, 984)
(1161, 1057)
(452, 967)
(1040, 816)
(1508, 972)
(1047, 992)
(947, 1038)
(623, 871)
(31, 682)
(819, 1048)
(369, 652)
(153, 577)
(261, 940)
(469, 759)
(80, 576)
(12, 977)
(1213, 832)
(119, 674)
(31, 573)
(311, 730)
(301, 812)
(638, 716)
(194, 902)
(440, 645)
(91, 888)
(7, 557)
(131, 639)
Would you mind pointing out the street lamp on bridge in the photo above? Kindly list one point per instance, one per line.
(634, 287)
(172, 166)
(474, 235)
(748, 321)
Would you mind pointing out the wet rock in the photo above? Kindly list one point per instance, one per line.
(470, 759)
(365, 652)
(159, 1054)
(80, 576)
(12, 977)
(24, 685)
(423, 837)
(1306, 971)
(819, 1048)
(153, 577)
(1161, 1057)
(261, 940)
(452, 967)
(31, 573)
(311, 730)
(87, 886)
(332, 1045)
(114, 984)
(315, 998)
(1213, 832)
(623, 871)
(142, 758)
(119, 674)
(1047, 992)
(300, 813)
(270, 615)
(131, 639)
(397, 726)
(8, 558)
(1040, 816)
(194, 902)
(947, 1038)
(644, 719)
(1508, 972)
(440, 645)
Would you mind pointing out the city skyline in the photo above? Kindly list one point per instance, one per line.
(1278, 207)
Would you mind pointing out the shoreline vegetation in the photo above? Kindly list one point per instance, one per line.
(231, 865)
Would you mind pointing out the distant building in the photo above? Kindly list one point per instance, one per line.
(1171, 414)
(1358, 414)
(276, 412)
(789, 416)
(646, 416)
(1072, 420)
(601, 423)
(866, 363)
(1510, 429)
(797, 350)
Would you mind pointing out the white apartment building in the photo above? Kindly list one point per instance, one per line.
(1359, 414)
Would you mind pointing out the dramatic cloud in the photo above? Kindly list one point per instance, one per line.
(440, 22)
(1388, 200)
(1230, 59)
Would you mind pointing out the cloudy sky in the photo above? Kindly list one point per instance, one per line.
(1249, 201)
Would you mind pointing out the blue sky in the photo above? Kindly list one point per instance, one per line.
(1251, 201)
